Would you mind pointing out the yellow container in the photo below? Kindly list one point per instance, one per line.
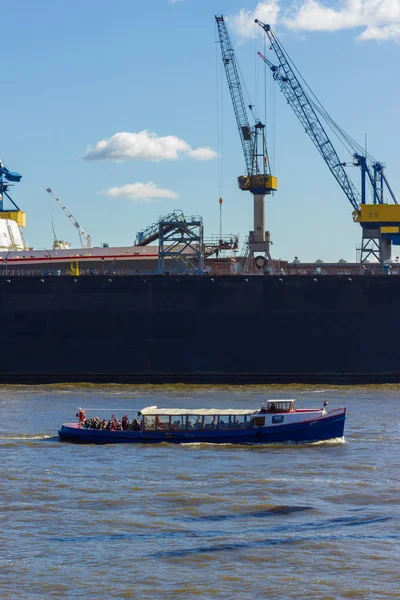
(267, 183)
(15, 215)
(74, 268)
(379, 213)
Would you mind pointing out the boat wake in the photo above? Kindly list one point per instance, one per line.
(27, 436)
(198, 445)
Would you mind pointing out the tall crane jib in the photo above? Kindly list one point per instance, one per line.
(380, 221)
(258, 179)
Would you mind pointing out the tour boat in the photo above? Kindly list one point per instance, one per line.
(276, 421)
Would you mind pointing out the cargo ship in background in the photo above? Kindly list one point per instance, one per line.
(173, 314)
(178, 307)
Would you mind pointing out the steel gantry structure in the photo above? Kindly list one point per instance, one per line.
(7, 179)
(380, 221)
(258, 180)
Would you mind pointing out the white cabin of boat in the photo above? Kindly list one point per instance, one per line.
(178, 419)
(279, 406)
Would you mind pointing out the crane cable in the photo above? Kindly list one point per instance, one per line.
(345, 139)
(270, 102)
(51, 219)
(219, 115)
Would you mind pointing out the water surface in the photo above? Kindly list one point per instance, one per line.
(198, 521)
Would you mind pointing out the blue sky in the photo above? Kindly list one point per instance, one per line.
(76, 74)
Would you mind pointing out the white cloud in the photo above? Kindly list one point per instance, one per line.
(202, 154)
(141, 192)
(381, 18)
(243, 23)
(145, 145)
(174, 1)
(387, 32)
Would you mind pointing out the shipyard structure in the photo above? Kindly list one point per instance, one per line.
(180, 321)
(177, 306)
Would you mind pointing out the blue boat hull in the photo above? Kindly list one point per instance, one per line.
(321, 429)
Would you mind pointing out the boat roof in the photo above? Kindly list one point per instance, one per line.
(154, 410)
(281, 400)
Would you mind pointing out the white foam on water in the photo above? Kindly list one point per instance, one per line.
(28, 437)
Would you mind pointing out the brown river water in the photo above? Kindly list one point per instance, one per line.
(198, 521)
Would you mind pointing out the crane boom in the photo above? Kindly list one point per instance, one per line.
(303, 108)
(232, 75)
(81, 231)
(259, 179)
(380, 221)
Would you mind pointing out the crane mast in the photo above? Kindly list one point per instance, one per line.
(258, 180)
(82, 233)
(381, 227)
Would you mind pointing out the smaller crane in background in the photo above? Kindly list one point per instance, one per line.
(7, 179)
(82, 233)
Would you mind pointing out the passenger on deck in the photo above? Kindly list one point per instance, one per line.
(197, 424)
(125, 422)
(134, 426)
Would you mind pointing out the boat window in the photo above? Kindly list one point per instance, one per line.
(234, 421)
(210, 421)
(280, 406)
(178, 422)
(194, 422)
(246, 421)
(162, 423)
(278, 418)
(149, 422)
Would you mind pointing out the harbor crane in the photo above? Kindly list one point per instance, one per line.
(258, 180)
(82, 233)
(380, 220)
(7, 179)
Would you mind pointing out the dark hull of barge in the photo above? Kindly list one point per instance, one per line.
(200, 329)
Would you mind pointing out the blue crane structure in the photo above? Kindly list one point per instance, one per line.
(7, 179)
(380, 221)
(258, 180)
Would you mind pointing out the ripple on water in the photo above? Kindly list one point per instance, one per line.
(206, 521)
